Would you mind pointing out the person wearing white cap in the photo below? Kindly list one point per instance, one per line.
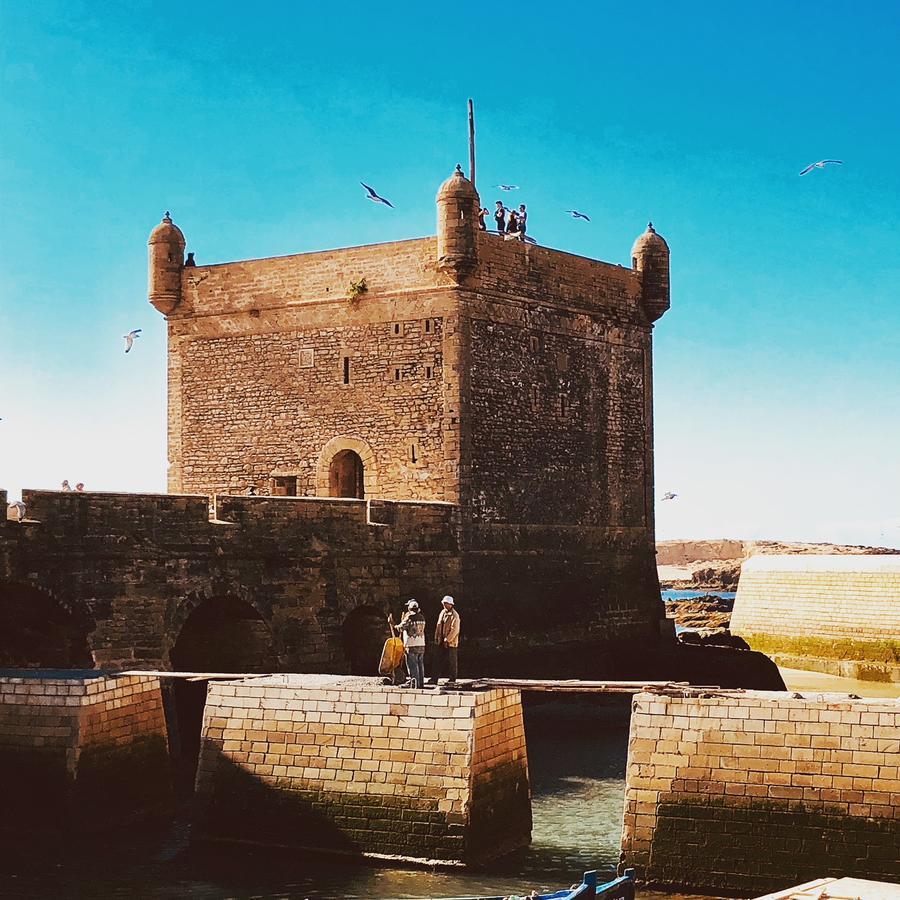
(446, 639)
(413, 627)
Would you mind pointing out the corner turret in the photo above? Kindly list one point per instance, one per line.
(166, 250)
(650, 259)
(458, 205)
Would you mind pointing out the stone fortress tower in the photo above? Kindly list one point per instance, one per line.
(509, 380)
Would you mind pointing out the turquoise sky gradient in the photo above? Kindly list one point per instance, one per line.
(777, 368)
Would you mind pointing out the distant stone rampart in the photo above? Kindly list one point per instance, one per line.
(752, 791)
(839, 606)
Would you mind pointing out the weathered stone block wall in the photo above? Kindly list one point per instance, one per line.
(500, 791)
(556, 391)
(597, 586)
(257, 380)
(751, 791)
(821, 605)
(130, 569)
(80, 747)
(350, 766)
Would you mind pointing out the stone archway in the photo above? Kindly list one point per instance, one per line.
(38, 632)
(364, 632)
(346, 475)
(217, 635)
(223, 634)
(346, 468)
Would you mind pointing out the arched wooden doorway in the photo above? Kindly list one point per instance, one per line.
(346, 475)
(347, 468)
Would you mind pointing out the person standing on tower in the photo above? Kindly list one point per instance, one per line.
(482, 215)
(500, 217)
(522, 219)
(446, 639)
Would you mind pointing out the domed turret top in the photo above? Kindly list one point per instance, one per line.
(649, 239)
(167, 232)
(457, 186)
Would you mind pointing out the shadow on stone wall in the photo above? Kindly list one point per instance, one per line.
(764, 845)
(234, 805)
(111, 784)
(661, 660)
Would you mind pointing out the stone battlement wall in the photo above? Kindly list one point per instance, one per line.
(842, 605)
(754, 790)
(337, 764)
(553, 277)
(80, 747)
(115, 578)
(526, 270)
(127, 571)
(322, 276)
(114, 514)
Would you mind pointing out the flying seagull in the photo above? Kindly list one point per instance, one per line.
(373, 196)
(129, 338)
(821, 165)
(669, 495)
(578, 215)
(508, 187)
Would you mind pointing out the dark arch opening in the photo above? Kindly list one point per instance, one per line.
(37, 632)
(221, 635)
(346, 474)
(364, 632)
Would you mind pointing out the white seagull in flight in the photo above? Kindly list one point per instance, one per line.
(821, 165)
(578, 215)
(508, 187)
(129, 338)
(669, 495)
(373, 196)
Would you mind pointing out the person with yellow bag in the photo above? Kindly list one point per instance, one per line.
(393, 656)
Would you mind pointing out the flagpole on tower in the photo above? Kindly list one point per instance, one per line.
(471, 142)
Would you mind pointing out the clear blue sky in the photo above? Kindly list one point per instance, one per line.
(777, 368)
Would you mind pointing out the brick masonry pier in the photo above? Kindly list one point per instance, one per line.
(833, 613)
(348, 765)
(749, 791)
(80, 748)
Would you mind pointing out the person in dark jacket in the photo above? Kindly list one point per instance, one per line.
(500, 217)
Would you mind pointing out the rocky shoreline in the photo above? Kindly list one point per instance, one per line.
(704, 620)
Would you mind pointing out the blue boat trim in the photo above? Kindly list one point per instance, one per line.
(621, 888)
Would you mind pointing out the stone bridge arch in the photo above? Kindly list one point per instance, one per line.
(39, 631)
(221, 633)
(363, 633)
(332, 453)
(210, 634)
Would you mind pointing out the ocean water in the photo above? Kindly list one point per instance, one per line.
(690, 595)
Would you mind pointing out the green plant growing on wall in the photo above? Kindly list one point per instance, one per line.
(357, 289)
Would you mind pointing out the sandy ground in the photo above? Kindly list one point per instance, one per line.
(800, 680)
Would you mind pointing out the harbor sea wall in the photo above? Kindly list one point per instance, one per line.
(80, 748)
(350, 766)
(837, 613)
(748, 791)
